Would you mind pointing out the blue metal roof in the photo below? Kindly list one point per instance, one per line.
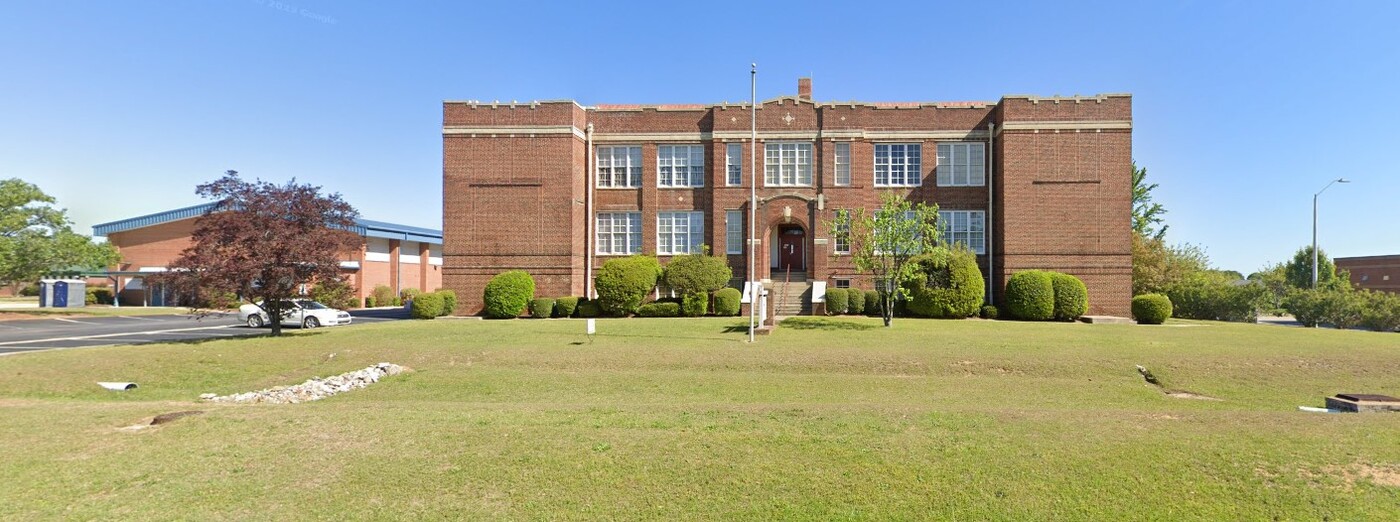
(363, 227)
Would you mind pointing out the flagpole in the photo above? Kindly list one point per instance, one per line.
(753, 198)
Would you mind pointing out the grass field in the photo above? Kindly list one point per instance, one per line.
(680, 419)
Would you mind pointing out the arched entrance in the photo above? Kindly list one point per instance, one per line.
(791, 241)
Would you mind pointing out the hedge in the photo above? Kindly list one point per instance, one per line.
(449, 301)
(1030, 296)
(727, 301)
(565, 306)
(697, 273)
(541, 307)
(855, 301)
(1382, 312)
(1071, 296)
(384, 296)
(408, 294)
(623, 283)
(98, 295)
(1216, 299)
(695, 304)
(837, 301)
(589, 308)
(872, 303)
(989, 312)
(949, 285)
(427, 306)
(508, 294)
(29, 290)
(659, 309)
(335, 294)
(1151, 308)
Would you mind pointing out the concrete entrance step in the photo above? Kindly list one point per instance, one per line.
(1106, 319)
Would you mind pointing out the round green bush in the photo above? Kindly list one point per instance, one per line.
(1071, 297)
(408, 294)
(727, 301)
(695, 304)
(589, 308)
(855, 301)
(659, 309)
(541, 307)
(508, 294)
(623, 283)
(989, 312)
(697, 273)
(449, 301)
(565, 306)
(1151, 308)
(836, 301)
(426, 306)
(949, 285)
(1030, 296)
(872, 303)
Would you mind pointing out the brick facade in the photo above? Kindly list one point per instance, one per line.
(1372, 272)
(516, 183)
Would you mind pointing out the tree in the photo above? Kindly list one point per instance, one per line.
(262, 241)
(1298, 271)
(1146, 214)
(885, 242)
(37, 239)
(1158, 266)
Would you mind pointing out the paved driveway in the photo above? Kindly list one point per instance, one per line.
(81, 331)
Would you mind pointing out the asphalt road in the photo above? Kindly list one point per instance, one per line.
(29, 335)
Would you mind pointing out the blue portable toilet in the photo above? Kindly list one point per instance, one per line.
(62, 293)
(45, 292)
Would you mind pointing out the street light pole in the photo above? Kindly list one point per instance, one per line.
(1314, 238)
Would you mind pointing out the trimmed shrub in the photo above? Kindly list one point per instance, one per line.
(408, 294)
(623, 283)
(90, 297)
(727, 301)
(855, 301)
(426, 306)
(836, 301)
(1214, 298)
(589, 308)
(1030, 296)
(1305, 306)
(369, 301)
(335, 294)
(697, 273)
(1343, 308)
(872, 303)
(1071, 296)
(659, 309)
(695, 304)
(1382, 312)
(565, 306)
(29, 290)
(949, 284)
(508, 294)
(541, 307)
(384, 296)
(989, 312)
(449, 302)
(1151, 308)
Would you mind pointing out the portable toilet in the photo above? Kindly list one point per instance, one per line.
(62, 293)
(45, 292)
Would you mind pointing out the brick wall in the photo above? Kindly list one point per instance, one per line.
(1373, 272)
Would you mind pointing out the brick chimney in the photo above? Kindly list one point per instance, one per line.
(804, 88)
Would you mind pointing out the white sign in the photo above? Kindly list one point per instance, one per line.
(592, 326)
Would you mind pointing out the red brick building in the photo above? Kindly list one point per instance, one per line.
(1373, 272)
(397, 256)
(556, 188)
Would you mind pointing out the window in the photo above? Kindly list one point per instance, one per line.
(968, 227)
(619, 233)
(841, 232)
(680, 166)
(841, 283)
(679, 232)
(734, 231)
(733, 159)
(619, 167)
(962, 165)
(897, 165)
(787, 164)
(843, 164)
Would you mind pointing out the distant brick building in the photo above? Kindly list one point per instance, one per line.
(556, 188)
(1373, 272)
(397, 256)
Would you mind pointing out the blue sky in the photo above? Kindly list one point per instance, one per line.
(1242, 109)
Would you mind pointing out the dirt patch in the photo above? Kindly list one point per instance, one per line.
(1387, 475)
(1182, 394)
(172, 416)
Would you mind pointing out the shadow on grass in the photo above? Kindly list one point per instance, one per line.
(819, 323)
(291, 333)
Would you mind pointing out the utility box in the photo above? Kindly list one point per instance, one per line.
(62, 293)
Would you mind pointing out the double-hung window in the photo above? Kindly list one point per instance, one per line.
(898, 165)
(680, 166)
(968, 227)
(679, 232)
(842, 160)
(733, 159)
(619, 167)
(619, 233)
(787, 164)
(734, 231)
(962, 164)
(841, 232)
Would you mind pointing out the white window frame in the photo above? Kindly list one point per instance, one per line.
(630, 233)
(841, 158)
(667, 233)
(973, 225)
(733, 231)
(734, 164)
(774, 162)
(606, 158)
(970, 172)
(688, 159)
(910, 170)
(841, 232)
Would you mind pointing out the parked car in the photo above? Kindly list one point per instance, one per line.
(296, 312)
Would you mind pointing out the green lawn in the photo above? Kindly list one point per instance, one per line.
(680, 419)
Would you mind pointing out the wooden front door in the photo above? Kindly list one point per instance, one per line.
(792, 252)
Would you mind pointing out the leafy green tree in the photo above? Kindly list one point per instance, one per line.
(885, 242)
(37, 239)
(1298, 271)
(1146, 214)
(1158, 266)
